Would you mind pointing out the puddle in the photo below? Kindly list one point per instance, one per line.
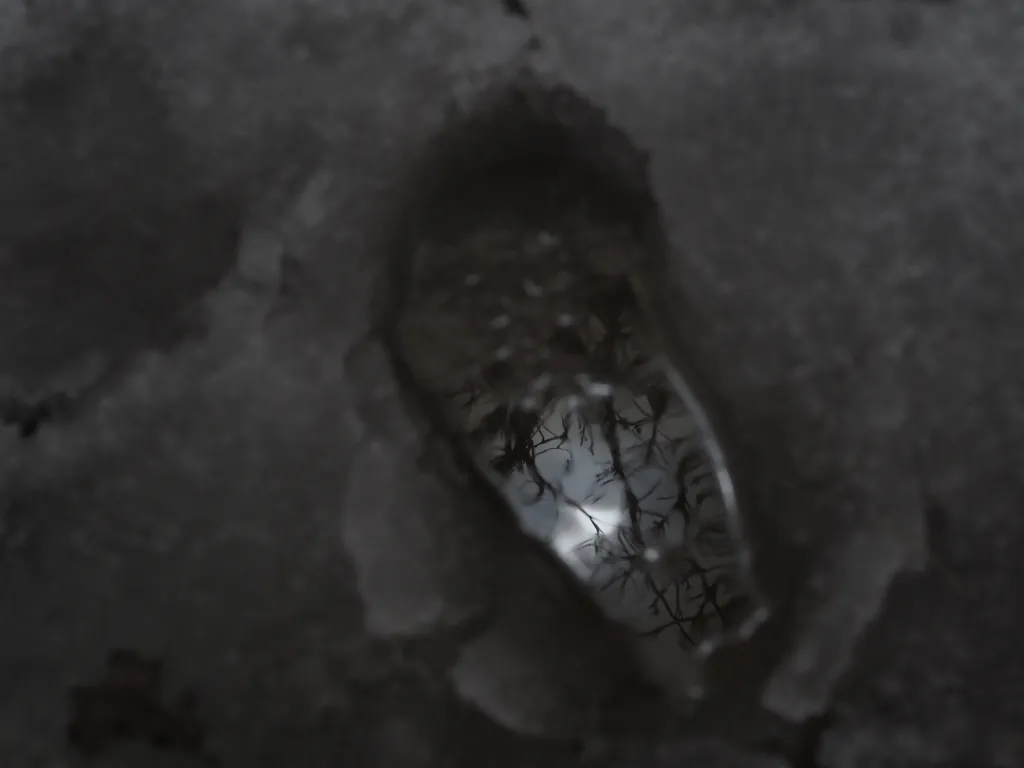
(522, 319)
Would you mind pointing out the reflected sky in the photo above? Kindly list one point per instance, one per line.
(577, 498)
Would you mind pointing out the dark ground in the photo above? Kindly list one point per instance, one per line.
(194, 202)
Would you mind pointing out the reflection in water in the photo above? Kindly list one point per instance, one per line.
(532, 342)
(626, 499)
(619, 486)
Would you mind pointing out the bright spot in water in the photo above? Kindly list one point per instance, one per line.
(577, 503)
